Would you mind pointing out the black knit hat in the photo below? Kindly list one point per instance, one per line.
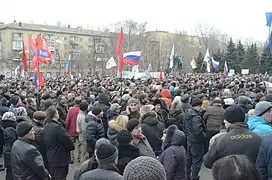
(132, 124)
(23, 128)
(234, 114)
(96, 111)
(196, 102)
(124, 137)
(106, 153)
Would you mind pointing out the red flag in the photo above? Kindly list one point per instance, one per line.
(119, 49)
(161, 75)
(24, 58)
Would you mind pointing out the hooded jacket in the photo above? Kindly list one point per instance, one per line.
(153, 130)
(113, 131)
(194, 127)
(259, 125)
(238, 140)
(173, 157)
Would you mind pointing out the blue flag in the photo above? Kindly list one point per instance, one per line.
(268, 19)
(270, 43)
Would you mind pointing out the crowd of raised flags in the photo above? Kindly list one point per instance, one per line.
(39, 51)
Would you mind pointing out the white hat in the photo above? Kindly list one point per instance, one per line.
(228, 101)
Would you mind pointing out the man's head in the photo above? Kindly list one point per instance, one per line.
(197, 103)
(97, 112)
(31, 102)
(106, 154)
(52, 114)
(134, 127)
(62, 99)
(70, 96)
(234, 114)
(133, 104)
(83, 106)
(263, 109)
(25, 130)
(78, 100)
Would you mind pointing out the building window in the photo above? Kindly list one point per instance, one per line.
(17, 36)
(51, 41)
(17, 45)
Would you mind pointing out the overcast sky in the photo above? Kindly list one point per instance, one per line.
(237, 18)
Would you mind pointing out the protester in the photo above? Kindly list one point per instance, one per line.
(113, 112)
(132, 109)
(260, 122)
(195, 132)
(139, 140)
(58, 145)
(173, 157)
(62, 107)
(238, 140)
(26, 161)
(127, 152)
(107, 157)
(241, 169)
(144, 168)
(71, 122)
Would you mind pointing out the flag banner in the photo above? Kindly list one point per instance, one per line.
(226, 69)
(17, 71)
(38, 79)
(207, 56)
(171, 64)
(270, 43)
(119, 50)
(268, 19)
(215, 64)
(111, 63)
(193, 63)
(132, 58)
(23, 59)
(208, 67)
(161, 73)
(68, 67)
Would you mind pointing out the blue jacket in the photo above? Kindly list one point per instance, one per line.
(259, 125)
(264, 158)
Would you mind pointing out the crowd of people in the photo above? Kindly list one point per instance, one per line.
(133, 129)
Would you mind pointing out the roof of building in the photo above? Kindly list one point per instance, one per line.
(49, 28)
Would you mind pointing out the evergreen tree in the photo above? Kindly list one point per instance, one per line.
(265, 62)
(240, 54)
(219, 56)
(199, 63)
(231, 57)
(251, 61)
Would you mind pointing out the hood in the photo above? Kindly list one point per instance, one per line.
(174, 137)
(112, 134)
(104, 99)
(150, 118)
(114, 126)
(191, 113)
(254, 121)
(165, 93)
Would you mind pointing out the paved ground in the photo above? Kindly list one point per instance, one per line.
(205, 174)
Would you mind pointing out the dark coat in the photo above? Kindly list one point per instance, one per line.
(3, 109)
(127, 153)
(112, 136)
(27, 162)
(176, 118)
(214, 116)
(58, 144)
(173, 158)
(62, 110)
(194, 127)
(264, 158)
(86, 166)
(152, 130)
(111, 115)
(10, 136)
(39, 139)
(94, 130)
(238, 140)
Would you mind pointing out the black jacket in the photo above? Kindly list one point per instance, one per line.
(194, 127)
(58, 144)
(94, 131)
(62, 110)
(127, 153)
(238, 140)
(176, 118)
(10, 136)
(39, 140)
(153, 130)
(27, 162)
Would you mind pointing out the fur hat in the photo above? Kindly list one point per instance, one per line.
(146, 109)
(144, 168)
(39, 115)
(115, 106)
(132, 101)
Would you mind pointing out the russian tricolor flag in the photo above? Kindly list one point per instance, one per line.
(68, 67)
(132, 58)
(215, 64)
(226, 69)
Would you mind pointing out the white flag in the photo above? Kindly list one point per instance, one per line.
(193, 63)
(172, 58)
(207, 56)
(111, 63)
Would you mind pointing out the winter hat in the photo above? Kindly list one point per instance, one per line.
(106, 153)
(115, 106)
(101, 141)
(217, 101)
(228, 101)
(165, 93)
(173, 134)
(234, 114)
(124, 137)
(132, 123)
(196, 102)
(39, 115)
(144, 168)
(132, 101)
(262, 107)
(9, 116)
(146, 109)
(125, 97)
(20, 111)
(83, 106)
(185, 98)
(23, 128)
(96, 110)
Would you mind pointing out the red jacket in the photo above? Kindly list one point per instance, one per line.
(71, 120)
